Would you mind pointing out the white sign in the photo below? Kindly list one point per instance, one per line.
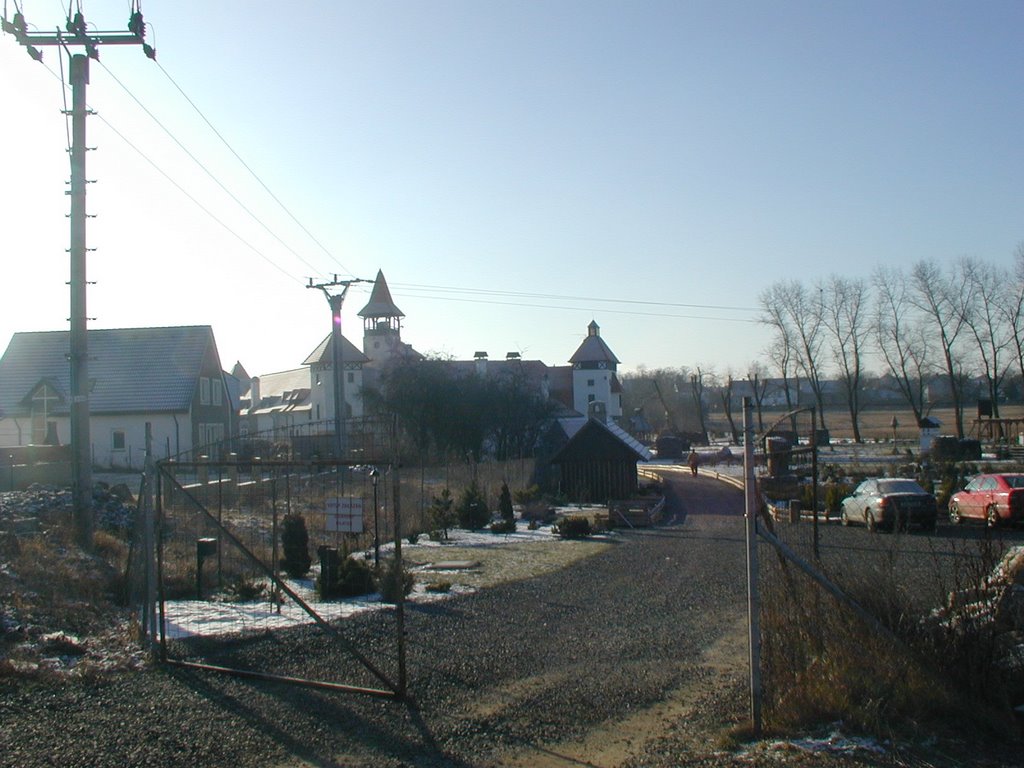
(345, 515)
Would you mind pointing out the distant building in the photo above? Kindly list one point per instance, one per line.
(302, 395)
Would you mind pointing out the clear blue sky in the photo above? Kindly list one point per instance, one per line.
(515, 168)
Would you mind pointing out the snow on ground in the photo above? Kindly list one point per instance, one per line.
(191, 618)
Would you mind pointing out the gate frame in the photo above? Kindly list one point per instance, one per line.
(395, 689)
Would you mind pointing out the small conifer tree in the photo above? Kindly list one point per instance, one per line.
(295, 542)
(472, 508)
(441, 512)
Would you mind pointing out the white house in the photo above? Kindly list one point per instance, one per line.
(167, 378)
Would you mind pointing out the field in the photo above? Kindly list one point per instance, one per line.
(876, 423)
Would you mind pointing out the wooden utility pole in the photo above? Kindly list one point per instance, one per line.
(77, 34)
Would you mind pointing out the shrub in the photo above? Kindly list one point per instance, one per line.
(245, 589)
(439, 586)
(295, 542)
(354, 577)
(538, 512)
(503, 526)
(505, 505)
(573, 527)
(412, 538)
(395, 581)
(527, 495)
(472, 508)
(441, 513)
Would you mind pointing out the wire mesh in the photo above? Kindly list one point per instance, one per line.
(243, 545)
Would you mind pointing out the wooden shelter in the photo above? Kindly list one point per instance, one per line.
(598, 463)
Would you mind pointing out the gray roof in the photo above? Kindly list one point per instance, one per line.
(324, 353)
(573, 425)
(132, 370)
(593, 349)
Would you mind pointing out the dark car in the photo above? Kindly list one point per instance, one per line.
(887, 503)
(997, 499)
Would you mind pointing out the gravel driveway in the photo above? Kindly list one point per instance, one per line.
(597, 662)
(634, 657)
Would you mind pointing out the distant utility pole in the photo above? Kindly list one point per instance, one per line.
(335, 298)
(78, 34)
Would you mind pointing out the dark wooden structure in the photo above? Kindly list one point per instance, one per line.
(597, 465)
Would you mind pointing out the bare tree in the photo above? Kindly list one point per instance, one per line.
(847, 322)
(986, 320)
(796, 315)
(697, 383)
(901, 338)
(757, 374)
(945, 299)
(725, 393)
(1014, 310)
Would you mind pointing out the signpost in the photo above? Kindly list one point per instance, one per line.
(345, 515)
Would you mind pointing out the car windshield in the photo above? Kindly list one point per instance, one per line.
(1014, 481)
(899, 486)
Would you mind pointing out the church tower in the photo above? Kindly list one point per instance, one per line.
(593, 375)
(382, 324)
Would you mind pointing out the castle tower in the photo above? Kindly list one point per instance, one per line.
(382, 323)
(593, 375)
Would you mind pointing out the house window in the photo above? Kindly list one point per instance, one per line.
(590, 382)
(204, 390)
(215, 391)
(591, 398)
(117, 440)
(318, 379)
(44, 402)
(351, 377)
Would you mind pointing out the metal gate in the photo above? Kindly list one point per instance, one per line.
(225, 599)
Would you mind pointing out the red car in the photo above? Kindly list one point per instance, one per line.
(996, 499)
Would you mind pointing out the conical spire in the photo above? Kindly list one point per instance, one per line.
(380, 303)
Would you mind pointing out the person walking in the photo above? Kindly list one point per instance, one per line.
(693, 460)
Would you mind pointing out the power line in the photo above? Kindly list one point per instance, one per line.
(609, 311)
(208, 172)
(559, 297)
(181, 189)
(252, 172)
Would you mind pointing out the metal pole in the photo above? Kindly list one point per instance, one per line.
(753, 598)
(339, 375)
(374, 475)
(814, 478)
(81, 464)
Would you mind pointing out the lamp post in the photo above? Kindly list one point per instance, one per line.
(374, 475)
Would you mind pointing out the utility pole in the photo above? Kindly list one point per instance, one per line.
(77, 34)
(335, 298)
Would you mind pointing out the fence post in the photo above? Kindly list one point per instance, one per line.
(753, 597)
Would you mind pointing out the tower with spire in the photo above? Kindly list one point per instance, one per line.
(382, 324)
(593, 375)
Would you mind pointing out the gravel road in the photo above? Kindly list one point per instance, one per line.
(633, 657)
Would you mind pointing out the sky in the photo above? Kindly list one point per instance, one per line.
(516, 169)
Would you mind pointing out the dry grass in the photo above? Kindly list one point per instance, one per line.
(502, 563)
(822, 663)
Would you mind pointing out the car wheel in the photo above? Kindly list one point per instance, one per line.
(992, 517)
(954, 514)
(869, 521)
(844, 518)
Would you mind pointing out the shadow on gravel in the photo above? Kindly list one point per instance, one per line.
(282, 713)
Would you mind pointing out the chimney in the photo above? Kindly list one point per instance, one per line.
(254, 393)
(598, 411)
(481, 363)
(512, 356)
